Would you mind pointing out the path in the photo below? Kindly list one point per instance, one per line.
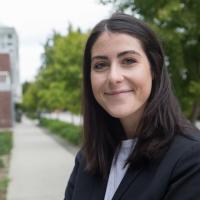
(40, 166)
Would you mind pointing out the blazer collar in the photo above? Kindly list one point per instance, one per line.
(99, 190)
(128, 179)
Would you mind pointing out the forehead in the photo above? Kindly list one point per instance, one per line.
(111, 43)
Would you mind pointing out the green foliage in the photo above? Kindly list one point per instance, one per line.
(177, 24)
(5, 148)
(4, 184)
(2, 165)
(67, 131)
(194, 89)
(58, 83)
(30, 97)
(5, 142)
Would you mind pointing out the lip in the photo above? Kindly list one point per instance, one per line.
(116, 92)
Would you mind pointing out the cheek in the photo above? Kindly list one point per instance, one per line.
(96, 84)
(147, 86)
(144, 84)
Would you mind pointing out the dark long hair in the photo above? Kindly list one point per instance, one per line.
(161, 119)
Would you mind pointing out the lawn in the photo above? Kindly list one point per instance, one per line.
(5, 148)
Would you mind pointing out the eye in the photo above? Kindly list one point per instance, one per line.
(99, 66)
(128, 61)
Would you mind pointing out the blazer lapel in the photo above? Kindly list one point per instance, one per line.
(128, 179)
(99, 189)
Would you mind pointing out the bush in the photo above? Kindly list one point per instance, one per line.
(32, 115)
(67, 131)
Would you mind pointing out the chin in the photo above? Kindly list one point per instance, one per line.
(125, 112)
(119, 114)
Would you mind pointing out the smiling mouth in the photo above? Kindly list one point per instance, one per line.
(118, 92)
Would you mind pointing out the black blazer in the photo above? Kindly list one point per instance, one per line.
(175, 177)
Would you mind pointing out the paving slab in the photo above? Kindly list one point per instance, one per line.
(39, 166)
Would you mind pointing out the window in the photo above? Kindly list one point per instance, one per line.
(3, 78)
(9, 36)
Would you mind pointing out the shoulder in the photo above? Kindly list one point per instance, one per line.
(189, 145)
(73, 177)
(80, 156)
(80, 160)
(183, 162)
(182, 147)
(185, 142)
(185, 149)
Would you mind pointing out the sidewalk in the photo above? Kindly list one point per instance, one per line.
(39, 167)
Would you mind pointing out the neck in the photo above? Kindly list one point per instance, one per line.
(129, 127)
(130, 124)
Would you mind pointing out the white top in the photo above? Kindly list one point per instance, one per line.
(118, 170)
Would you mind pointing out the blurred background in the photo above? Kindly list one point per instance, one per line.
(41, 47)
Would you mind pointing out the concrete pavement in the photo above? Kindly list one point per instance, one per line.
(40, 166)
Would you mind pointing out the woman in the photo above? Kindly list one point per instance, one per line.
(136, 143)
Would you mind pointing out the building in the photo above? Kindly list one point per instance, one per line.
(6, 105)
(9, 68)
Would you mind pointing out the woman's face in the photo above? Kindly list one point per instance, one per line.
(120, 75)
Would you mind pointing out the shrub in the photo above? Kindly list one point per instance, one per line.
(67, 131)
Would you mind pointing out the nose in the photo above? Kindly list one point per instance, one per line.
(115, 74)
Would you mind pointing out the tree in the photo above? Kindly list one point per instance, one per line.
(177, 24)
(30, 97)
(59, 78)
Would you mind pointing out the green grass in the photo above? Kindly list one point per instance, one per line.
(5, 148)
(4, 184)
(5, 142)
(67, 131)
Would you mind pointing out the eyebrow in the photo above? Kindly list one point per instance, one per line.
(118, 55)
(128, 52)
